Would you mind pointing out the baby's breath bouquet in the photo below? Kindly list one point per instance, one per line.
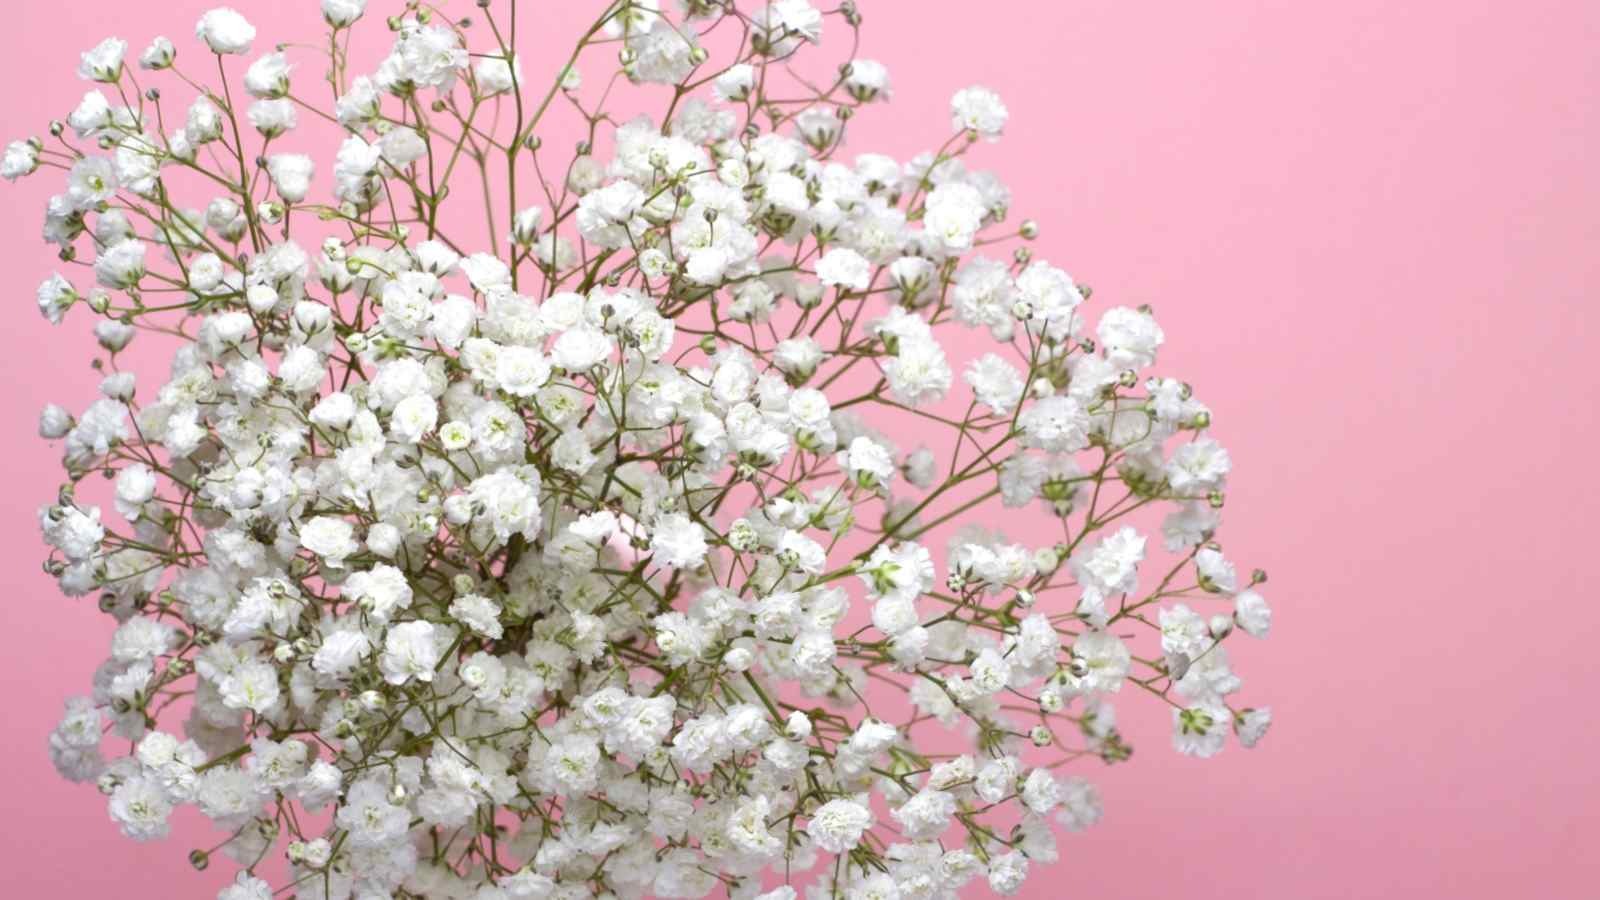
(647, 548)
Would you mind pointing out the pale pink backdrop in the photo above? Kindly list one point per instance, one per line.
(1370, 231)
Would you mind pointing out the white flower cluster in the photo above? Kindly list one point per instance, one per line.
(593, 564)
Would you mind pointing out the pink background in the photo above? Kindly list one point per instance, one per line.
(1368, 228)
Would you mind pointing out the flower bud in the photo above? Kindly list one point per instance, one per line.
(1220, 626)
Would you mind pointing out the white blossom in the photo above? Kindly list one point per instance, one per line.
(846, 268)
(104, 61)
(330, 538)
(678, 542)
(225, 31)
(343, 13)
(409, 652)
(978, 109)
(291, 175)
(1252, 613)
(836, 826)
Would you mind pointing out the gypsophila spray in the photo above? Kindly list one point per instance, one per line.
(518, 522)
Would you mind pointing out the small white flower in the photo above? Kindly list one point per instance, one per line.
(104, 62)
(844, 268)
(54, 422)
(55, 296)
(868, 80)
(478, 613)
(978, 109)
(837, 826)
(340, 653)
(798, 357)
(497, 76)
(868, 463)
(1251, 725)
(409, 653)
(486, 272)
(413, 418)
(224, 30)
(253, 685)
(1252, 613)
(159, 55)
(343, 13)
(1200, 730)
(21, 158)
(1057, 424)
(331, 538)
(273, 117)
(677, 541)
(291, 175)
(736, 82)
(268, 77)
(926, 815)
(402, 146)
(996, 383)
(140, 808)
(1106, 660)
(246, 887)
(1129, 337)
(580, 349)
(955, 212)
(1007, 872)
